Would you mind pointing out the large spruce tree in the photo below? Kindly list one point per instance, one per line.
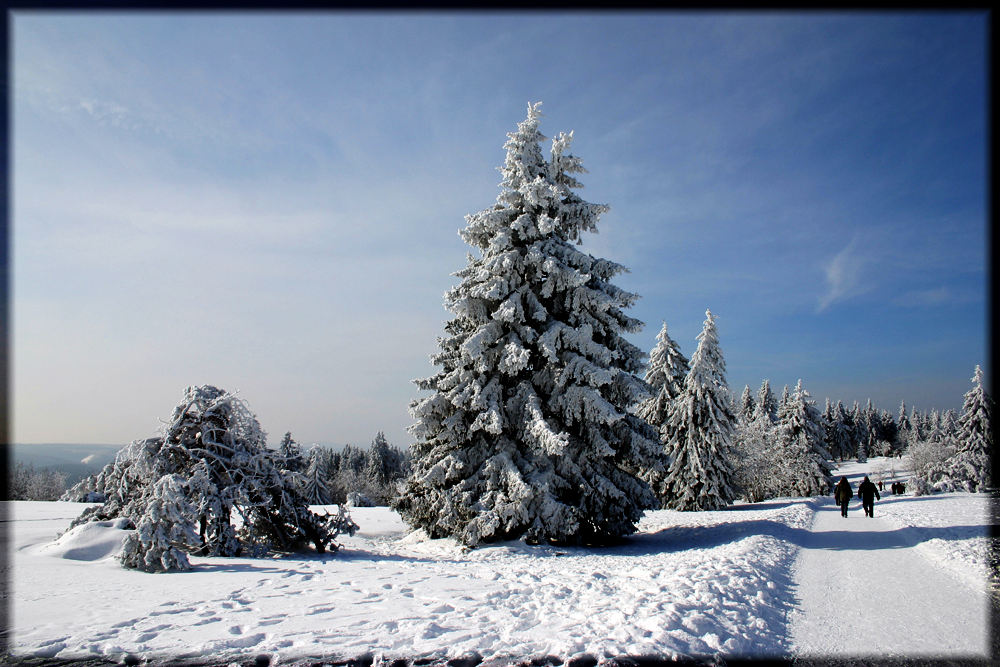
(701, 428)
(527, 431)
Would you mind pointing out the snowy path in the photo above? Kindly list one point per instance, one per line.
(864, 590)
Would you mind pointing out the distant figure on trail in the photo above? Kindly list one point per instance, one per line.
(843, 493)
(868, 492)
(880, 487)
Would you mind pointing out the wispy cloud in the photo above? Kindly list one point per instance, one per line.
(843, 275)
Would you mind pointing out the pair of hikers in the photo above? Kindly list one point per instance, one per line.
(867, 491)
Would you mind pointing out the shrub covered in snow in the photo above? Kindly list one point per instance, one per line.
(210, 461)
(527, 431)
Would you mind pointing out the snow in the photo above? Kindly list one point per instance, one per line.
(736, 582)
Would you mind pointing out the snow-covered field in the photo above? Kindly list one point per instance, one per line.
(695, 583)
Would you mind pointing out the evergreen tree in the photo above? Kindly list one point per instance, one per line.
(701, 427)
(969, 467)
(383, 468)
(527, 432)
(290, 453)
(904, 429)
(829, 426)
(859, 434)
(665, 374)
(314, 486)
(767, 406)
(843, 429)
(747, 405)
(801, 434)
(917, 423)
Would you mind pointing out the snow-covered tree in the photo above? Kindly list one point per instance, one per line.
(665, 374)
(929, 461)
(165, 534)
(783, 401)
(701, 428)
(801, 435)
(968, 469)
(215, 445)
(527, 431)
(291, 455)
(748, 407)
(842, 434)
(25, 482)
(904, 429)
(767, 406)
(314, 486)
(384, 468)
(757, 465)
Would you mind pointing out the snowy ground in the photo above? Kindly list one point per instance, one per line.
(735, 582)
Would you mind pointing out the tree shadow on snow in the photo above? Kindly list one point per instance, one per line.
(763, 505)
(682, 538)
(243, 568)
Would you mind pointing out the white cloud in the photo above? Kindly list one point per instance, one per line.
(843, 276)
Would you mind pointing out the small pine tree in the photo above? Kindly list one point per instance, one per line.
(314, 486)
(701, 428)
(767, 406)
(291, 455)
(747, 405)
(665, 374)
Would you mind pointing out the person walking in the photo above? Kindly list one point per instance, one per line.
(843, 493)
(868, 492)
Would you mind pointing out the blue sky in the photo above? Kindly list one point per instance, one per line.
(270, 202)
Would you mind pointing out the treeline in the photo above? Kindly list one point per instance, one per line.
(25, 482)
(948, 450)
(353, 476)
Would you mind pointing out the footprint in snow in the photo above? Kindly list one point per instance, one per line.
(206, 621)
(49, 650)
(320, 610)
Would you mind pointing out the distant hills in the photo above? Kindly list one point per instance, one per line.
(74, 461)
(77, 461)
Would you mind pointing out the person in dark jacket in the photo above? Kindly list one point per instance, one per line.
(868, 492)
(843, 493)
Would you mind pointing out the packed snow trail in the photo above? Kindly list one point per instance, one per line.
(864, 590)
